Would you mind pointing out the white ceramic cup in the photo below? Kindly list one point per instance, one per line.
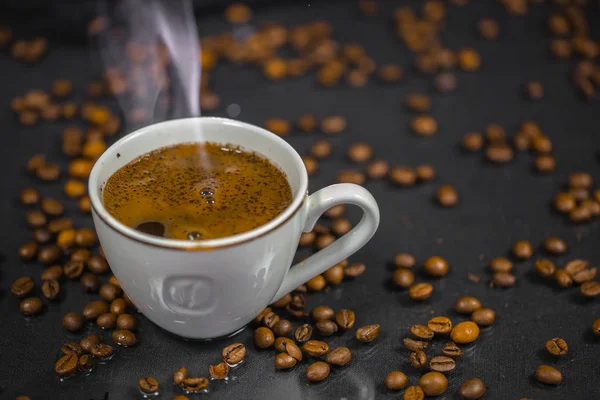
(211, 288)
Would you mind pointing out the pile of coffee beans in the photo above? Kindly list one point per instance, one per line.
(579, 201)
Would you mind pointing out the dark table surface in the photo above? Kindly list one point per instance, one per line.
(498, 206)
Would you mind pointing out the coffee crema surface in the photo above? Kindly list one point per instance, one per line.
(195, 191)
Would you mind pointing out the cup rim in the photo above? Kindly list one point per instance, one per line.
(208, 244)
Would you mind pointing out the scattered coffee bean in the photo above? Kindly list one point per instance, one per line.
(315, 348)
(67, 365)
(55, 272)
(339, 356)
(317, 283)
(181, 375)
(563, 279)
(28, 251)
(414, 393)
(97, 265)
(341, 226)
(126, 321)
(351, 176)
(263, 337)
(499, 153)
(544, 163)
(433, 383)
(414, 345)
(106, 321)
(72, 321)
(483, 316)
(503, 279)
(307, 239)
(544, 268)
(534, 90)
(31, 306)
(360, 152)
(334, 275)
(85, 237)
(345, 318)
(585, 275)
(52, 207)
(333, 124)
(557, 346)
(368, 333)
(390, 73)
(447, 196)
(283, 328)
(465, 332)
(86, 363)
(440, 325)
(61, 224)
(22, 286)
(284, 361)
(548, 375)
(378, 169)
(50, 289)
(420, 291)
(418, 359)
(425, 172)
(580, 179)
(123, 337)
(148, 385)
(466, 305)
(109, 292)
(73, 269)
(270, 320)
(318, 371)
(450, 349)
(336, 211)
(396, 380)
(89, 283)
(424, 125)
(306, 123)
(278, 126)
(522, 250)
(355, 269)
(488, 28)
(473, 388)
(71, 347)
(442, 364)
(418, 103)
(48, 254)
(218, 371)
(95, 308)
(575, 266)
(421, 332)
(281, 344)
(88, 342)
(42, 236)
(472, 141)
(404, 260)
(436, 266)
(596, 327)
(590, 289)
(195, 384)
(29, 196)
(403, 176)
(234, 353)
(326, 327)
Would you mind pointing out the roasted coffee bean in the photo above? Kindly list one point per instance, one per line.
(368, 333)
(488, 28)
(396, 380)
(414, 345)
(148, 385)
(42, 236)
(579, 194)
(557, 346)
(234, 353)
(414, 393)
(425, 172)
(106, 321)
(318, 371)
(73, 269)
(303, 333)
(339, 356)
(306, 123)
(465, 332)
(28, 251)
(596, 327)
(109, 292)
(50, 289)
(97, 265)
(95, 308)
(52, 207)
(418, 103)
(320, 313)
(89, 283)
(195, 384)
(318, 282)
(22, 286)
(355, 269)
(72, 321)
(350, 176)
(590, 289)
(262, 314)
(283, 328)
(48, 254)
(442, 364)
(326, 327)
(345, 318)
(307, 239)
(390, 73)
(320, 149)
(48, 172)
(85, 237)
(35, 162)
(284, 361)
(123, 337)
(67, 365)
(440, 325)
(483, 316)
(55, 273)
(298, 300)
(102, 350)
(88, 342)
(450, 349)
(544, 163)
(71, 347)
(281, 344)
(181, 375)
(468, 59)
(574, 267)
(447, 196)
(548, 375)
(592, 205)
(278, 126)
(283, 302)
(31, 306)
(424, 125)
(403, 176)
(544, 268)
(433, 383)
(420, 291)
(263, 338)
(522, 250)
(315, 348)
(36, 219)
(86, 363)
(404, 260)
(334, 275)
(126, 321)
(501, 264)
(238, 13)
(580, 179)
(336, 211)
(270, 320)
(378, 169)
(29, 196)
(85, 204)
(473, 388)
(503, 279)
(499, 153)
(292, 349)
(341, 226)
(333, 124)
(60, 224)
(585, 275)
(436, 266)
(323, 241)
(563, 279)
(467, 304)
(580, 214)
(534, 90)
(360, 152)
(421, 332)
(418, 359)
(472, 141)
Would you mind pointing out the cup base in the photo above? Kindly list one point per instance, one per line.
(186, 339)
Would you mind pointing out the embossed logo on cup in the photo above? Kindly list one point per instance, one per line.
(190, 295)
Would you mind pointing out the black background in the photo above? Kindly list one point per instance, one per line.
(498, 206)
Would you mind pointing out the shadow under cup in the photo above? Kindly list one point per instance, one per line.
(208, 288)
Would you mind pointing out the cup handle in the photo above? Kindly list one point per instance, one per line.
(318, 203)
